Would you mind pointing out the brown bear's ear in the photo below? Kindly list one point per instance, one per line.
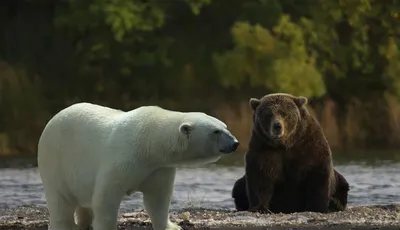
(300, 101)
(254, 102)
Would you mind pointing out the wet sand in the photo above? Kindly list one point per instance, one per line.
(354, 217)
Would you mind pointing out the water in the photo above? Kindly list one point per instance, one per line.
(210, 186)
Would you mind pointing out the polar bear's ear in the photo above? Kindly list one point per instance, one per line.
(254, 102)
(186, 128)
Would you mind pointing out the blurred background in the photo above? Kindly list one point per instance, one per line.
(209, 56)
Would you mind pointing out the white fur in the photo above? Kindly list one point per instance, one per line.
(90, 156)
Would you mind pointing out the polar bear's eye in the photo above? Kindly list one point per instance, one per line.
(216, 131)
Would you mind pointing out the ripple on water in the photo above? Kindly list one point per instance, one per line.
(210, 187)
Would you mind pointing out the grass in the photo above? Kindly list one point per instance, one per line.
(358, 126)
(24, 111)
(361, 125)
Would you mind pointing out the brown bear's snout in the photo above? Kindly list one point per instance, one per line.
(276, 128)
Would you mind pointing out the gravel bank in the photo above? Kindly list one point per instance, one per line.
(356, 217)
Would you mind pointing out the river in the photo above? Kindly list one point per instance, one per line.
(372, 181)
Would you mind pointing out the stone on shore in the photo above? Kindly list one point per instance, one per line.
(372, 217)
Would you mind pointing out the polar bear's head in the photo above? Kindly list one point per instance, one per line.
(204, 139)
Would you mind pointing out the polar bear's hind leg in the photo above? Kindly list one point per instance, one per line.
(61, 212)
(84, 218)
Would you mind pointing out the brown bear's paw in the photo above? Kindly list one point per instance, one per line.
(260, 209)
(336, 206)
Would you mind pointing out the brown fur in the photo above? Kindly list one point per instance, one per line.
(288, 163)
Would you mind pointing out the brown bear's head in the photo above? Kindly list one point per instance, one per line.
(277, 117)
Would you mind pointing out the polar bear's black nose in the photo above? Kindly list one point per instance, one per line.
(235, 145)
(230, 148)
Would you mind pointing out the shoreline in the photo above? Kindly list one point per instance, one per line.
(359, 217)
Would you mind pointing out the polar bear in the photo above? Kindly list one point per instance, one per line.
(91, 156)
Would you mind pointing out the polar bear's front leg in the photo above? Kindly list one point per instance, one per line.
(157, 193)
(106, 201)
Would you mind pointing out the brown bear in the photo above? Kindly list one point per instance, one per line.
(337, 202)
(289, 162)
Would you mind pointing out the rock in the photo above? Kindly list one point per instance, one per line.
(299, 219)
(129, 215)
(379, 216)
(244, 218)
(185, 216)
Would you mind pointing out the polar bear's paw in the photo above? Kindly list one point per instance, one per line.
(173, 226)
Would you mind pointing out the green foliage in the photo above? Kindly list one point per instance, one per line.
(351, 39)
(124, 52)
(121, 16)
(279, 62)
(196, 5)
